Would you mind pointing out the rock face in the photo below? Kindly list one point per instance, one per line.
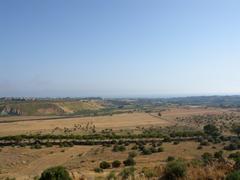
(11, 111)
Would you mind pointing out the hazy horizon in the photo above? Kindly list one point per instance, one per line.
(119, 48)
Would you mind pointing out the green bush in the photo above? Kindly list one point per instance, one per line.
(132, 154)
(55, 173)
(116, 164)
(48, 144)
(234, 155)
(176, 142)
(149, 173)
(129, 162)
(233, 175)
(237, 163)
(160, 149)
(127, 172)
(175, 169)
(146, 151)
(98, 170)
(104, 165)
(170, 158)
(207, 157)
(118, 148)
(153, 149)
(36, 146)
(111, 176)
(218, 155)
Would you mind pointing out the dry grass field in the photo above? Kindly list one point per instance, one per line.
(25, 163)
(115, 122)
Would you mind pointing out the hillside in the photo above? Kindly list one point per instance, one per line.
(39, 108)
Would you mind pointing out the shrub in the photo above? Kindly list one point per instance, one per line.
(234, 155)
(153, 149)
(176, 142)
(98, 170)
(231, 147)
(175, 169)
(104, 165)
(170, 158)
(129, 162)
(233, 175)
(55, 173)
(135, 147)
(48, 144)
(116, 164)
(36, 146)
(132, 154)
(117, 148)
(146, 151)
(196, 163)
(36, 178)
(218, 155)
(111, 176)
(237, 163)
(160, 149)
(149, 173)
(207, 157)
(126, 172)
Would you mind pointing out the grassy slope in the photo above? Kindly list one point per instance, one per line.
(52, 107)
(75, 106)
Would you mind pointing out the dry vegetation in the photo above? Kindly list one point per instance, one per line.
(81, 161)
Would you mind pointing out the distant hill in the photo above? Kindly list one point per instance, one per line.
(53, 107)
(219, 101)
(87, 106)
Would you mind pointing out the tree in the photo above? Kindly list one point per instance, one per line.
(175, 169)
(104, 165)
(55, 173)
(211, 130)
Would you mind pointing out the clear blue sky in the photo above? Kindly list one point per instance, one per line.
(119, 47)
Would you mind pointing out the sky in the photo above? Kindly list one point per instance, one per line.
(119, 48)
